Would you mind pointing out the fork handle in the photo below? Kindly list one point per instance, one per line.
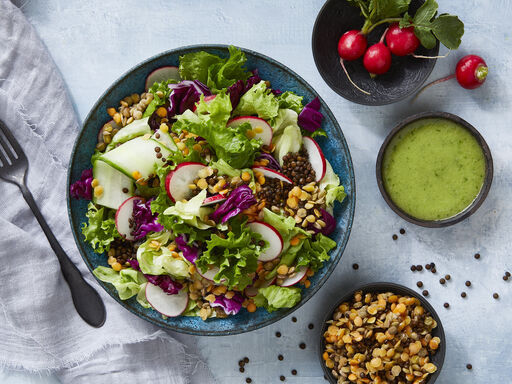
(87, 301)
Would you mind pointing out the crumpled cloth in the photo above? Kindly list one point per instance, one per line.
(40, 330)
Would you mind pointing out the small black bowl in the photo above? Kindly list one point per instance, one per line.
(437, 359)
(406, 76)
(461, 215)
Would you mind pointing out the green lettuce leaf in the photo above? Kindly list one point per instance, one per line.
(313, 253)
(215, 72)
(100, 230)
(259, 100)
(331, 184)
(141, 296)
(127, 281)
(285, 117)
(289, 100)
(160, 261)
(285, 226)
(157, 100)
(229, 143)
(289, 141)
(236, 255)
(274, 297)
(191, 212)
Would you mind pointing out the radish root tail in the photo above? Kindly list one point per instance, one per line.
(431, 84)
(431, 57)
(349, 79)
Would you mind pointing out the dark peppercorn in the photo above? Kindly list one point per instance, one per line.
(413, 268)
(495, 295)
(447, 277)
(280, 357)
(477, 256)
(442, 281)
(395, 237)
(246, 360)
(425, 293)
(282, 378)
(419, 284)
(355, 266)
(432, 264)
(278, 334)
(311, 326)
(402, 231)
(468, 283)
(446, 305)
(469, 366)
(294, 372)
(294, 319)
(463, 294)
(302, 345)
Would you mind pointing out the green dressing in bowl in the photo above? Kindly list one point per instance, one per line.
(433, 169)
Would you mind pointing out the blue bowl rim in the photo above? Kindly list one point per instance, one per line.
(334, 257)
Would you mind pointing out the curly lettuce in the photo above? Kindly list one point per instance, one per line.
(275, 297)
(100, 230)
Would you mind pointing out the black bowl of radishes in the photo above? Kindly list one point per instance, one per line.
(377, 52)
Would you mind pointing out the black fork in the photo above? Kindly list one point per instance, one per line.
(13, 168)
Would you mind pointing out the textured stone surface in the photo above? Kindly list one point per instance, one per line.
(93, 42)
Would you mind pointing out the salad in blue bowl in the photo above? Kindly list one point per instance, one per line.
(210, 195)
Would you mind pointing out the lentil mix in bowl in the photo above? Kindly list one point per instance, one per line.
(377, 336)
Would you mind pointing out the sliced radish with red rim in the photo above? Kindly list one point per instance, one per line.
(123, 215)
(178, 180)
(212, 200)
(167, 305)
(267, 172)
(261, 129)
(316, 157)
(272, 236)
(169, 72)
(299, 275)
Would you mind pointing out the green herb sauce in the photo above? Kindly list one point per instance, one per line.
(433, 169)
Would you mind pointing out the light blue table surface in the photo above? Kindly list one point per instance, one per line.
(94, 41)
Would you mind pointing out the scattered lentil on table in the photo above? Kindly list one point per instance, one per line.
(355, 266)
(402, 231)
(477, 256)
(463, 294)
(468, 283)
(395, 237)
(425, 293)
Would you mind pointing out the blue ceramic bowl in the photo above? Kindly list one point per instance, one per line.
(334, 147)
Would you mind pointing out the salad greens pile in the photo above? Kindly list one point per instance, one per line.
(196, 198)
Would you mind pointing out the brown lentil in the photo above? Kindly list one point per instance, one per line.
(428, 266)
(402, 231)
(355, 266)
(425, 293)
(282, 378)
(248, 380)
(311, 326)
(302, 345)
(419, 284)
(296, 167)
(413, 268)
(241, 369)
(495, 295)
(278, 334)
(463, 294)
(280, 357)
(477, 256)
(125, 190)
(507, 274)
(395, 237)
(274, 192)
(442, 281)
(419, 267)
(447, 277)
(294, 372)
(246, 360)
(468, 283)
(469, 366)
(446, 305)
(294, 319)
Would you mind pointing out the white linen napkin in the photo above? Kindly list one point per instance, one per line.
(40, 330)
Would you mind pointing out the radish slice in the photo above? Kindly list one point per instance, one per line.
(262, 130)
(167, 305)
(214, 200)
(207, 100)
(209, 274)
(162, 74)
(316, 157)
(178, 180)
(252, 291)
(100, 133)
(270, 234)
(267, 172)
(123, 215)
(299, 275)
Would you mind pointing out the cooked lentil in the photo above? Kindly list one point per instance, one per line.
(477, 256)
(463, 294)
(395, 237)
(355, 266)
(419, 284)
(296, 167)
(425, 293)
(402, 231)
(495, 295)
(468, 283)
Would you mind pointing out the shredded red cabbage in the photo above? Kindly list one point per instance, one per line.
(239, 199)
(237, 90)
(190, 252)
(329, 221)
(230, 306)
(310, 117)
(144, 221)
(184, 95)
(82, 189)
(272, 163)
(165, 282)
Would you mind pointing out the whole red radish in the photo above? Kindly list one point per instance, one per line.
(471, 71)
(352, 45)
(401, 41)
(377, 59)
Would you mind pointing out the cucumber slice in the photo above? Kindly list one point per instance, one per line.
(113, 183)
(136, 155)
(131, 131)
(165, 139)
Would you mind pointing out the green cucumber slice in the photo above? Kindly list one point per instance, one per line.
(113, 183)
(136, 155)
(165, 139)
(134, 129)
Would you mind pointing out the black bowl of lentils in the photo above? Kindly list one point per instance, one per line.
(382, 330)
